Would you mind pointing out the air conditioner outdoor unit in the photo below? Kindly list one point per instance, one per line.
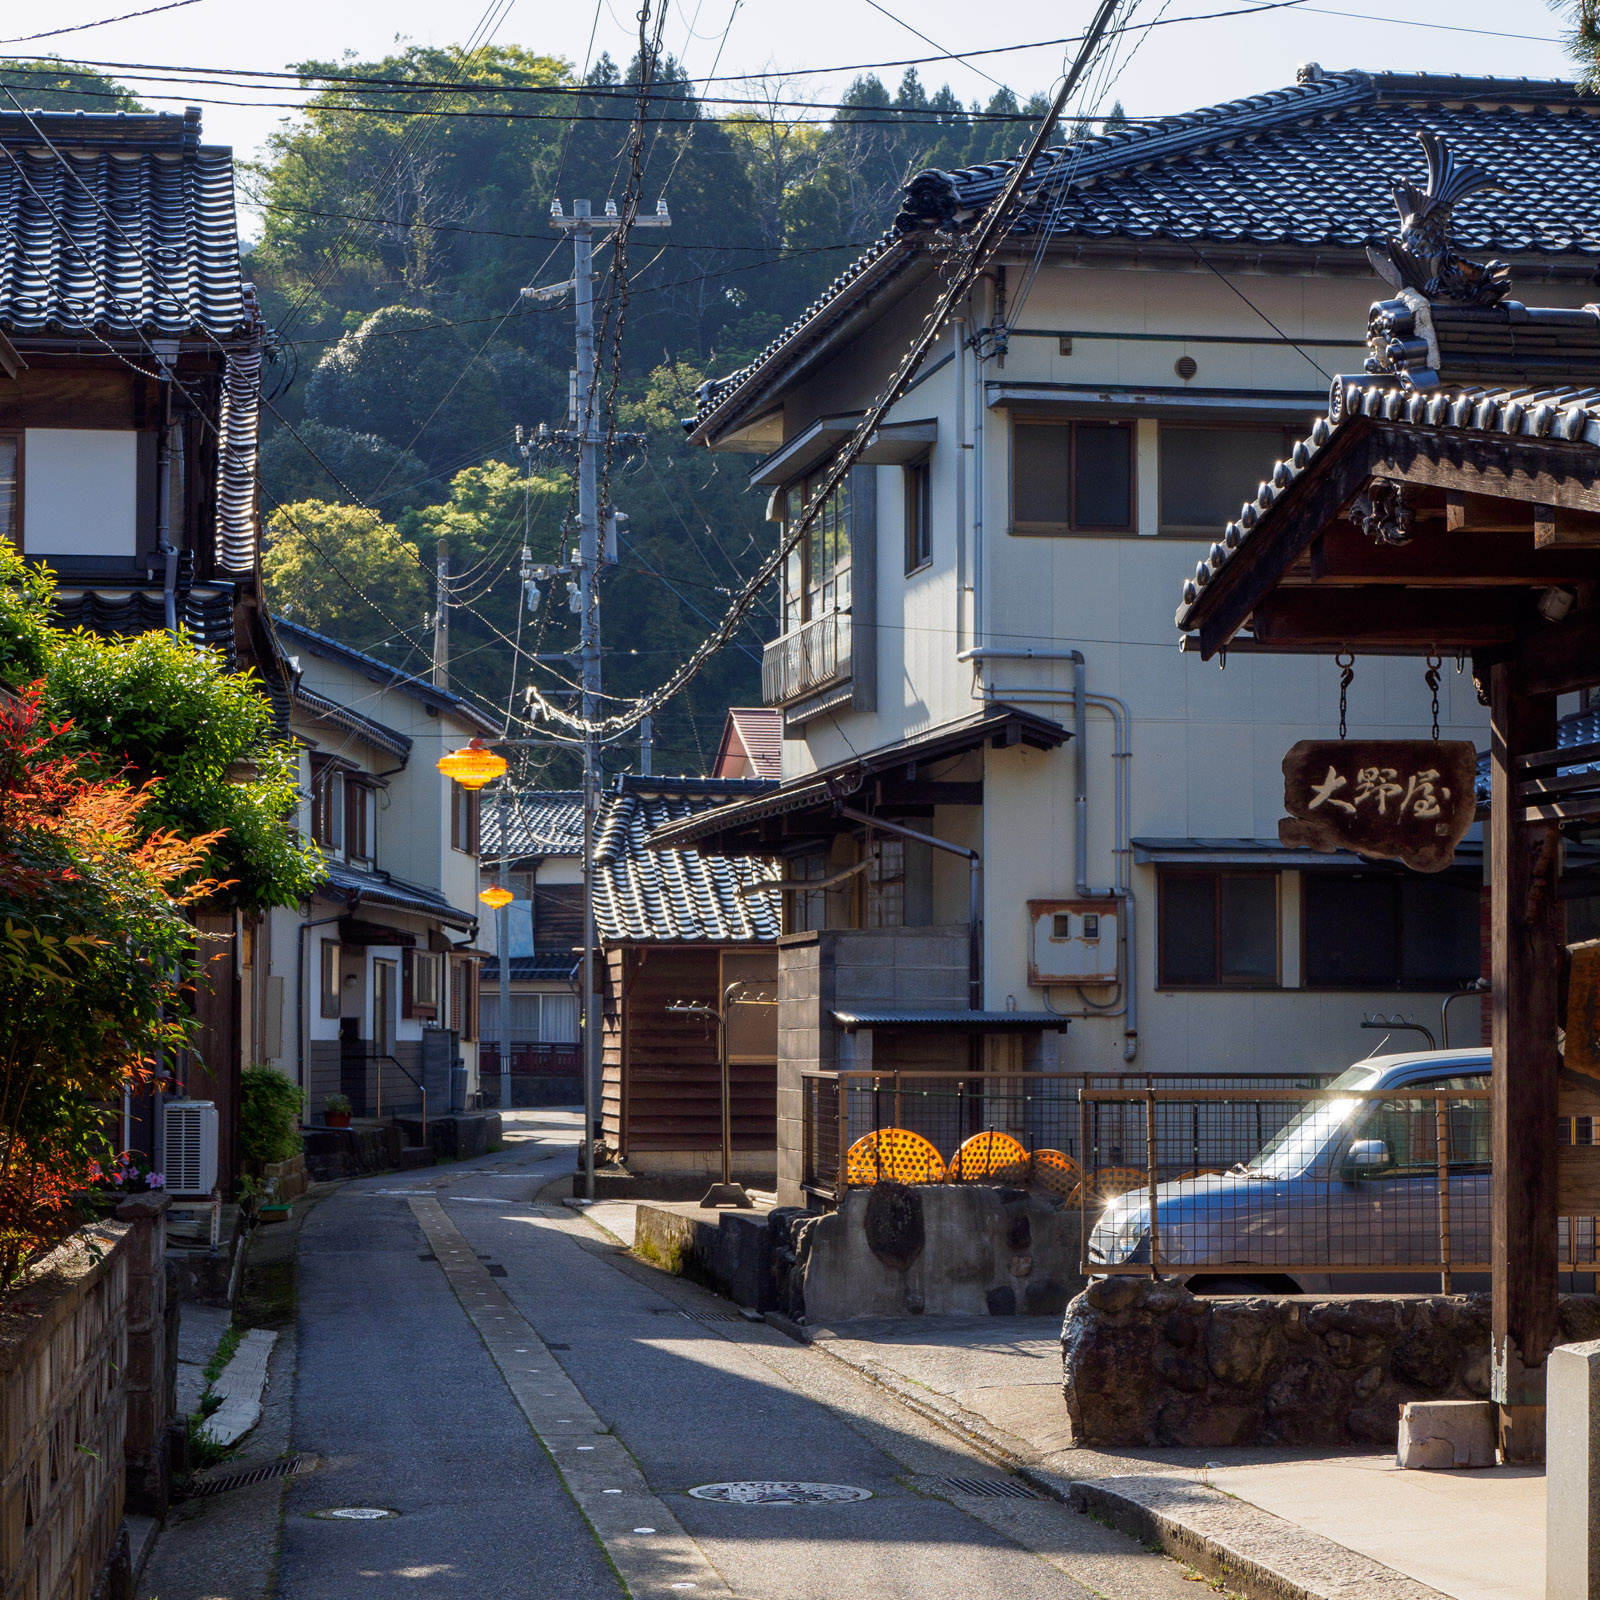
(191, 1147)
(1073, 941)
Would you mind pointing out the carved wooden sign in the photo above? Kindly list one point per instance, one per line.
(1410, 800)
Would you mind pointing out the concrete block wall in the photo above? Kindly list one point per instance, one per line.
(151, 1372)
(64, 1352)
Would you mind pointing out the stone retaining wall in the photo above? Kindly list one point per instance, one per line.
(63, 1355)
(1148, 1363)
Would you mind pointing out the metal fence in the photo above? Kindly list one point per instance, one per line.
(1248, 1176)
(1037, 1111)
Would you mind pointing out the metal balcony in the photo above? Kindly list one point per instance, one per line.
(810, 658)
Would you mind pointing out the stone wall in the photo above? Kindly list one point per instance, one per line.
(938, 1249)
(150, 1377)
(1148, 1363)
(64, 1353)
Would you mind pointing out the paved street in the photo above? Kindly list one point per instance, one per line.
(537, 1432)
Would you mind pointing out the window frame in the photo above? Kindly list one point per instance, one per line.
(917, 513)
(360, 819)
(18, 533)
(1019, 528)
(1286, 435)
(466, 819)
(806, 598)
(331, 1000)
(1165, 876)
(413, 962)
(327, 820)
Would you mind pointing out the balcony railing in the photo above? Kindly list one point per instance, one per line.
(813, 656)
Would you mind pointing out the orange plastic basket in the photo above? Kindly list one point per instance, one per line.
(1109, 1182)
(990, 1155)
(893, 1155)
(1055, 1172)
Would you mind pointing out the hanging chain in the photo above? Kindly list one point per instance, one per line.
(1346, 663)
(1431, 677)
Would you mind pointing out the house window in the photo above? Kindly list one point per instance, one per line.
(886, 884)
(1369, 930)
(327, 805)
(1207, 474)
(420, 984)
(464, 812)
(1218, 929)
(918, 514)
(331, 998)
(817, 571)
(1071, 477)
(805, 910)
(360, 820)
(464, 999)
(10, 462)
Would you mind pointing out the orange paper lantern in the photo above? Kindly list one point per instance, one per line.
(496, 896)
(472, 767)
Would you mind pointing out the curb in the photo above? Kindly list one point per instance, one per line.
(1252, 1551)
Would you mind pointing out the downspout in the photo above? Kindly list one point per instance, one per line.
(959, 334)
(166, 352)
(974, 861)
(977, 493)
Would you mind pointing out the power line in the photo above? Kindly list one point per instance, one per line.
(104, 22)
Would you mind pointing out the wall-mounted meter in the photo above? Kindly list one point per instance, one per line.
(1073, 941)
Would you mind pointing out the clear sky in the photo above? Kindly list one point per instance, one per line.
(1174, 67)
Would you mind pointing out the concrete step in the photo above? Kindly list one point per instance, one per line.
(415, 1156)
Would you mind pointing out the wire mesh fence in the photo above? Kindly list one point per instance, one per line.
(1246, 1176)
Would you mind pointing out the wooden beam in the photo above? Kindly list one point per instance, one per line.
(1560, 657)
(1376, 618)
(1556, 528)
(1436, 559)
(1526, 964)
(1573, 755)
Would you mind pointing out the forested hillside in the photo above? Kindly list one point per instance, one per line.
(404, 212)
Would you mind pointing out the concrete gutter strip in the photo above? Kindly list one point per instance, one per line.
(1249, 1549)
(240, 1385)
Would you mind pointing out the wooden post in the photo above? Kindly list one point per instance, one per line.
(1526, 967)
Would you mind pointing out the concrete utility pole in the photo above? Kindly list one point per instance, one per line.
(591, 438)
(441, 618)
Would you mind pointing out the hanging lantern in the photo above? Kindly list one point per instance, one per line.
(472, 767)
(495, 896)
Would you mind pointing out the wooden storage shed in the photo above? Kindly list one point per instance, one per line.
(675, 928)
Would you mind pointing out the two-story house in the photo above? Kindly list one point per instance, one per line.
(372, 986)
(989, 739)
(130, 359)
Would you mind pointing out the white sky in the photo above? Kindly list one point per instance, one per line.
(1176, 68)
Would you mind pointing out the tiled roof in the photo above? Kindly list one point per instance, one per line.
(129, 230)
(321, 709)
(206, 611)
(292, 637)
(544, 967)
(1555, 412)
(541, 823)
(644, 894)
(759, 731)
(1304, 167)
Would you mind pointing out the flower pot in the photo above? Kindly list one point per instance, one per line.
(337, 1119)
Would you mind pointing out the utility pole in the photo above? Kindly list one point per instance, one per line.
(583, 225)
(441, 618)
(647, 739)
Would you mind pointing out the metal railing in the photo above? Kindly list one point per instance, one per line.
(376, 1068)
(1037, 1110)
(540, 1059)
(806, 659)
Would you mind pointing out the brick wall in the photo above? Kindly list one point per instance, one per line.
(64, 1353)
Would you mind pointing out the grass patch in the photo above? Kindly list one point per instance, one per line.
(268, 1297)
(223, 1354)
(204, 1452)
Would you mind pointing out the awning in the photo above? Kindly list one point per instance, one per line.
(719, 829)
(959, 1021)
(1267, 853)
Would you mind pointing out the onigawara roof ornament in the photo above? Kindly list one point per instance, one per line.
(1419, 256)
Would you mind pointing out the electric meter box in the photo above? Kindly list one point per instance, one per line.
(1073, 941)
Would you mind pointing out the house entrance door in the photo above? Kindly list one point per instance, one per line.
(383, 990)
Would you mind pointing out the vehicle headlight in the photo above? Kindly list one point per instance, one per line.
(1119, 1234)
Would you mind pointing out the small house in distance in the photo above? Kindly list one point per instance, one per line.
(533, 846)
(681, 927)
(752, 744)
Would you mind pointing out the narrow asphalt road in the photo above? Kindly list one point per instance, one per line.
(481, 1367)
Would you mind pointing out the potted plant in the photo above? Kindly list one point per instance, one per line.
(336, 1111)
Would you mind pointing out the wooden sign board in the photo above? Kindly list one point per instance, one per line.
(1410, 800)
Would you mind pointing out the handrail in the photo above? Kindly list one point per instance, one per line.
(421, 1087)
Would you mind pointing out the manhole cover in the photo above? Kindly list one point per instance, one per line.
(354, 1513)
(778, 1492)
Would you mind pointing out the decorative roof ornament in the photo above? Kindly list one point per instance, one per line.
(1419, 256)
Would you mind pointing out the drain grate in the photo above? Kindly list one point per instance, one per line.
(697, 1316)
(495, 1270)
(549, 1346)
(292, 1467)
(992, 1488)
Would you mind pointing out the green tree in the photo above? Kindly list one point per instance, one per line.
(324, 461)
(57, 85)
(319, 554)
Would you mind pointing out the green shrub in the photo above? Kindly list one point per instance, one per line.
(269, 1113)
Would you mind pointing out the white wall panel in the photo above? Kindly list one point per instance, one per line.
(80, 489)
